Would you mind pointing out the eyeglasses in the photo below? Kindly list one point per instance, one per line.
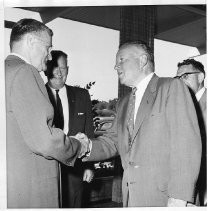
(185, 75)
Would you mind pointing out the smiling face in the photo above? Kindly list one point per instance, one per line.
(59, 74)
(128, 65)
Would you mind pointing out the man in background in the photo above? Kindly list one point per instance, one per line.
(75, 115)
(155, 132)
(192, 73)
(33, 145)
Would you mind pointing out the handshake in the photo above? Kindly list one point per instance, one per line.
(85, 144)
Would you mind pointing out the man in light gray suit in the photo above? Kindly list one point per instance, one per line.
(193, 74)
(33, 145)
(158, 141)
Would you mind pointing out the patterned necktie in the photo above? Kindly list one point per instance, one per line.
(131, 109)
(59, 120)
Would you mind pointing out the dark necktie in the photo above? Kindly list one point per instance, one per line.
(131, 109)
(59, 120)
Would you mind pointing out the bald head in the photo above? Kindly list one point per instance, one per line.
(134, 61)
(139, 47)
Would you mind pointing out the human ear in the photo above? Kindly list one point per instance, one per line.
(200, 77)
(29, 40)
(143, 60)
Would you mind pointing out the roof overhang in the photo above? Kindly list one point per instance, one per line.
(183, 24)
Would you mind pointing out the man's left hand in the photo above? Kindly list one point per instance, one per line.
(83, 139)
(172, 202)
(88, 175)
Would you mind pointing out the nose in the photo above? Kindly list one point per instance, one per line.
(49, 56)
(117, 66)
(58, 72)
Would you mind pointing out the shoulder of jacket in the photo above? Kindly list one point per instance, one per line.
(165, 80)
(77, 90)
(168, 82)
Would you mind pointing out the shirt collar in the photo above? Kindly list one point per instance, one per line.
(63, 89)
(142, 85)
(21, 57)
(199, 94)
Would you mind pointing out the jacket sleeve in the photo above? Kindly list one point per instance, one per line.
(89, 131)
(34, 115)
(185, 142)
(105, 146)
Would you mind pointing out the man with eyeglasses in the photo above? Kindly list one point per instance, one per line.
(192, 73)
(34, 145)
(75, 115)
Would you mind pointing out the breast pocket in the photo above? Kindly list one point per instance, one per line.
(154, 128)
(80, 117)
(155, 118)
(156, 114)
(80, 114)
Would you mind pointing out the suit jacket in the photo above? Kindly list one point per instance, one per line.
(80, 118)
(80, 110)
(202, 103)
(201, 109)
(33, 145)
(202, 179)
(164, 157)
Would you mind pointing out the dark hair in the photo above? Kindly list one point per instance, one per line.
(196, 65)
(25, 26)
(142, 45)
(51, 64)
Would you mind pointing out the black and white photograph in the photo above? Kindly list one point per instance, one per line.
(104, 104)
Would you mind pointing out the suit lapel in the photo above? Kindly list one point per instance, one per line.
(123, 119)
(51, 96)
(36, 74)
(146, 105)
(202, 101)
(71, 101)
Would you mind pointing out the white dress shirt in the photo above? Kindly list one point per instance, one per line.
(64, 101)
(199, 94)
(141, 87)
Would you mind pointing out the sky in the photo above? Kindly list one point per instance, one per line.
(91, 52)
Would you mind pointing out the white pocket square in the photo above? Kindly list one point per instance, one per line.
(80, 114)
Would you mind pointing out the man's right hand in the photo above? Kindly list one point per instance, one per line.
(84, 142)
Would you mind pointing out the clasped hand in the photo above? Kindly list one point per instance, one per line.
(84, 143)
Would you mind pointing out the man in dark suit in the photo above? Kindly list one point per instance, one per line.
(155, 132)
(76, 115)
(33, 145)
(193, 74)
